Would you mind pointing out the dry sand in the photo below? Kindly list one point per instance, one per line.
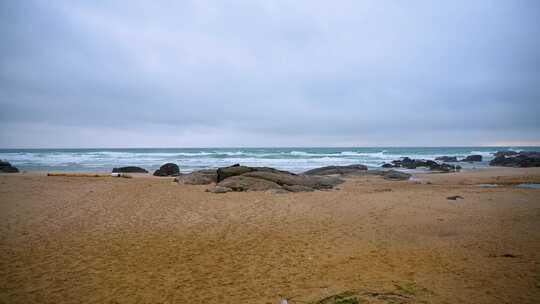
(150, 240)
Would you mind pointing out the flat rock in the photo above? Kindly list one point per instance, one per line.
(219, 189)
(246, 183)
(342, 170)
(297, 188)
(129, 169)
(395, 175)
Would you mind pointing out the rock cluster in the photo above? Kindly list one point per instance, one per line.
(6, 167)
(516, 159)
(244, 178)
(129, 169)
(168, 169)
(409, 163)
(448, 159)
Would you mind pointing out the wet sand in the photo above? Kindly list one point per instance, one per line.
(150, 240)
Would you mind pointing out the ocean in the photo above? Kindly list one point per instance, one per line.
(190, 159)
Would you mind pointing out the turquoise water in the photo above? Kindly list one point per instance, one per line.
(189, 159)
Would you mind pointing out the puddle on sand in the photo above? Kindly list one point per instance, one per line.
(528, 186)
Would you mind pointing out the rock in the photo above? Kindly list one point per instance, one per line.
(129, 169)
(472, 158)
(445, 167)
(409, 163)
(246, 183)
(168, 169)
(201, 177)
(281, 178)
(6, 167)
(506, 153)
(448, 159)
(396, 175)
(521, 159)
(455, 197)
(342, 170)
(223, 173)
(219, 189)
(297, 188)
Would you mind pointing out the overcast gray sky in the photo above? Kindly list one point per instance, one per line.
(269, 73)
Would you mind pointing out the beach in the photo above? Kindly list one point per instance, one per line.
(151, 240)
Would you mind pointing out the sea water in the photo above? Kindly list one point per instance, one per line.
(189, 159)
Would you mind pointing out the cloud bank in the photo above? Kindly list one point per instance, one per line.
(269, 73)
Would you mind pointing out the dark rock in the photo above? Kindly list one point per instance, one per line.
(448, 159)
(521, 159)
(168, 169)
(201, 177)
(246, 183)
(506, 153)
(472, 158)
(409, 163)
(395, 175)
(342, 170)
(445, 167)
(388, 165)
(129, 169)
(234, 170)
(6, 167)
(455, 197)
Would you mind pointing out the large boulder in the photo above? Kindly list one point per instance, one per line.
(289, 179)
(396, 175)
(505, 153)
(342, 170)
(6, 167)
(246, 183)
(448, 159)
(201, 177)
(129, 169)
(168, 169)
(522, 160)
(472, 158)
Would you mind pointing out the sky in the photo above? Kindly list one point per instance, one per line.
(262, 73)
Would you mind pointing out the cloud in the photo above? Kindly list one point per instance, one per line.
(262, 73)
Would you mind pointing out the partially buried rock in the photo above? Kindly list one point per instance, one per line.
(168, 169)
(472, 158)
(448, 159)
(455, 197)
(297, 188)
(6, 167)
(129, 169)
(219, 189)
(246, 183)
(396, 175)
(201, 177)
(330, 170)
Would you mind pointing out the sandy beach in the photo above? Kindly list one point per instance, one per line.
(151, 240)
